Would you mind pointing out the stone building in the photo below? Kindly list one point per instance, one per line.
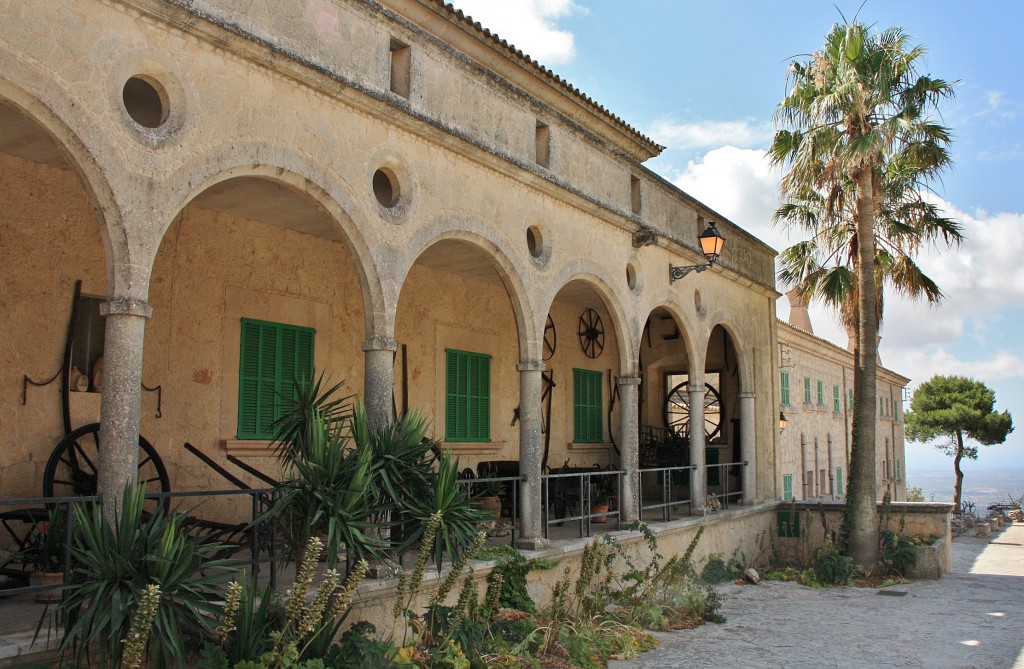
(381, 190)
(816, 398)
(203, 198)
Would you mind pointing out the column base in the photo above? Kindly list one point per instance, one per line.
(533, 543)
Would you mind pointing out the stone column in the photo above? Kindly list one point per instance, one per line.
(629, 448)
(378, 379)
(748, 447)
(699, 473)
(121, 403)
(531, 454)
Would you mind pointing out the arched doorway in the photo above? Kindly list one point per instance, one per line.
(50, 240)
(254, 285)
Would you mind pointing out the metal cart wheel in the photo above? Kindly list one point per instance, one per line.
(72, 469)
(677, 411)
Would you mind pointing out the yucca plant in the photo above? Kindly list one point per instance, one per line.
(312, 402)
(327, 491)
(113, 566)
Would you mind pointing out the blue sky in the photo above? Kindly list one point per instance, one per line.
(703, 79)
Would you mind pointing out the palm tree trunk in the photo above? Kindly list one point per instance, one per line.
(861, 507)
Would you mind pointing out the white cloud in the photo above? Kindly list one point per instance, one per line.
(983, 279)
(530, 25)
(744, 134)
(738, 183)
(920, 365)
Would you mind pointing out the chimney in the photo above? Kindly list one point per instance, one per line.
(798, 315)
(851, 344)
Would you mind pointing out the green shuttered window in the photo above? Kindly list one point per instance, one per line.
(836, 403)
(787, 487)
(586, 406)
(273, 356)
(821, 393)
(784, 381)
(807, 390)
(467, 415)
(840, 482)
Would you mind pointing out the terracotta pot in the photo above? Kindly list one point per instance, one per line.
(491, 506)
(599, 513)
(47, 578)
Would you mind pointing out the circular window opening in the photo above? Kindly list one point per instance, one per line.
(535, 241)
(385, 188)
(631, 276)
(145, 101)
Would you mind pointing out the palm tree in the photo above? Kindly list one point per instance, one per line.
(860, 145)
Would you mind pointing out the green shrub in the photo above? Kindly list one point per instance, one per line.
(830, 566)
(896, 554)
(113, 568)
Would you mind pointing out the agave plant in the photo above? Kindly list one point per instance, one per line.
(113, 567)
(313, 402)
(327, 491)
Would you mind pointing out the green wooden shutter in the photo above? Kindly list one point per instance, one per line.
(789, 523)
(587, 404)
(787, 487)
(839, 482)
(807, 390)
(784, 382)
(249, 381)
(836, 408)
(273, 356)
(467, 396)
(821, 393)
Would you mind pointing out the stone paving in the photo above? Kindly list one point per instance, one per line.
(973, 617)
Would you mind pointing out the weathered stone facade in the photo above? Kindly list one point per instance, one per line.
(387, 174)
(814, 448)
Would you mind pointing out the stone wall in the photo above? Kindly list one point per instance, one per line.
(909, 519)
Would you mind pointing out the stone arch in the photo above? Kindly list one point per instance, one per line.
(689, 335)
(592, 274)
(743, 361)
(479, 235)
(50, 115)
(297, 173)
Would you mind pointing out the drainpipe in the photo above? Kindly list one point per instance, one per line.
(803, 464)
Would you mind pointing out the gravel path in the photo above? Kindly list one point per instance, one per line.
(973, 617)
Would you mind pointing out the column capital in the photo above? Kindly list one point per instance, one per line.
(628, 380)
(380, 344)
(747, 394)
(126, 307)
(531, 366)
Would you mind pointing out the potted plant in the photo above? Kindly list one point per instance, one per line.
(488, 499)
(598, 504)
(45, 553)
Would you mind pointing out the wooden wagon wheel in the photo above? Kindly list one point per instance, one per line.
(677, 411)
(73, 471)
(550, 338)
(591, 333)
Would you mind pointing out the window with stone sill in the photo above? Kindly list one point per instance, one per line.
(273, 357)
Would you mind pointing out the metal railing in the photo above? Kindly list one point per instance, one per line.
(570, 493)
(506, 483)
(23, 520)
(668, 486)
(725, 495)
